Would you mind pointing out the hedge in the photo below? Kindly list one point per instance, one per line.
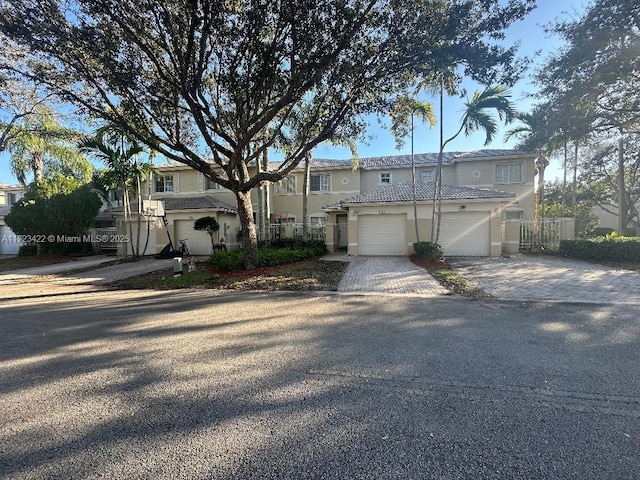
(271, 256)
(619, 249)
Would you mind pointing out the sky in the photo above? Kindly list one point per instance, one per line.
(534, 42)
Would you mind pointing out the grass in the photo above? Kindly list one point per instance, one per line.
(449, 278)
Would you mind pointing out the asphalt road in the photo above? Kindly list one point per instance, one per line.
(256, 386)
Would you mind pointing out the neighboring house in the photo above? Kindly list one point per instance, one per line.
(9, 195)
(496, 185)
(608, 219)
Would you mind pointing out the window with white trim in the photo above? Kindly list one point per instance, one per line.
(514, 214)
(211, 185)
(318, 220)
(428, 175)
(164, 183)
(510, 173)
(320, 182)
(385, 178)
(286, 185)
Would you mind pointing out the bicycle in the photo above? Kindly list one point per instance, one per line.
(183, 250)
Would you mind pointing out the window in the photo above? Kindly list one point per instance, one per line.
(12, 198)
(320, 183)
(509, 173)
(514, 214)
(211, 185)
(428, 175)
(318, 220)
(164, 183)
(385, 178)
(286, 185)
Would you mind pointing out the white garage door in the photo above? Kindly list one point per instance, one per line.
(382, 235)
(199, 243)
(465, 234)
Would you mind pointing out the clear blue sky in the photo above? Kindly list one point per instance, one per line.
(530, 33)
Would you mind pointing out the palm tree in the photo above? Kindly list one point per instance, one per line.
(120, 154)
(39, 145)
(536, 134)
(475, 118)
(403, 115)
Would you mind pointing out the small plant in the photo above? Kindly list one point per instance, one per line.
(427, 250)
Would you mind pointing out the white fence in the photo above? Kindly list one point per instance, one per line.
(103, 239)
(292, 230)
(545, 233)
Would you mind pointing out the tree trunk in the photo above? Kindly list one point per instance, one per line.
(305, 194)
(413, 183)
(622, 208)
(37, 165)
(249, 239)
(575, 180)
(564, 179)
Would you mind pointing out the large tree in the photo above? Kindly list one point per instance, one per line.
(214, 83)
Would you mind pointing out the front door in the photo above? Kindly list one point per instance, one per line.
(343, 237)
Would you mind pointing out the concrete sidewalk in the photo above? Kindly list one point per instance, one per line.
(94, 276)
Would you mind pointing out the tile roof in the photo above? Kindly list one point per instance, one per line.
(403, 192)
(189, 203)
(397, 160)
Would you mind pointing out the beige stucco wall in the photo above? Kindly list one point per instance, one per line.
(424, 214)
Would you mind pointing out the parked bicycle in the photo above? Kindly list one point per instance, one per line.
(183, 250)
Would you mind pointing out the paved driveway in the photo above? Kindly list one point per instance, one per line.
(542, 278)
(242, 386)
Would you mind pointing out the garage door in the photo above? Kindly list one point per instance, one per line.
(382, 235)
(465, 234)
(199, 243)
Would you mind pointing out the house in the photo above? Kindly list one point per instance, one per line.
(360, 207)
(9, 195)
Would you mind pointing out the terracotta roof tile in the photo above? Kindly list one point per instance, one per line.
(403, 192)
(189, 203)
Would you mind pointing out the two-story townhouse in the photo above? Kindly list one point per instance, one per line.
(334, 185)
(9, 195)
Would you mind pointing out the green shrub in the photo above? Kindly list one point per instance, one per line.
(427, 250)
(25, 250)
(269, 256)
(227, 261)
(610, 248)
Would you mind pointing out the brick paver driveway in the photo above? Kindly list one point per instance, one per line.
(545, 278)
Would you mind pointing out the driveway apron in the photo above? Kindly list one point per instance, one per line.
(544, 278)
(388, 275)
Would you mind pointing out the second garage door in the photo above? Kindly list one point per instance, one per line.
(465, 234)
(382, 235)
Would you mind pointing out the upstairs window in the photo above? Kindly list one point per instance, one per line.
(286, 185)
(320, 183)
(211, 185)
(428, 175)
(164, 183)
(385, 178)
(509, 173)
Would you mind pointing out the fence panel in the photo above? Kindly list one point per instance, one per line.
(542, 233)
